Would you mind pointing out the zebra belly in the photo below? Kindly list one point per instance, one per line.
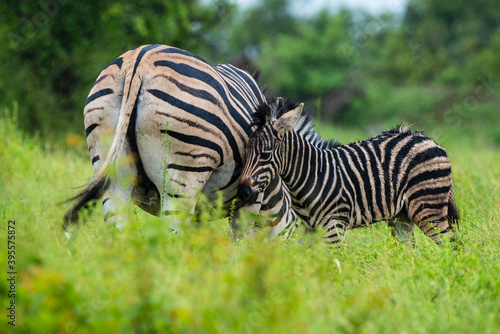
(364, 218)
(219, 179)
(344, 210)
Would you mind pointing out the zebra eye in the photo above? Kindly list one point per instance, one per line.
(265, 155)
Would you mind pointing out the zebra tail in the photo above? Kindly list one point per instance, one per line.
(101, 182)
(134, 82)
(93, 191)
(453, 214)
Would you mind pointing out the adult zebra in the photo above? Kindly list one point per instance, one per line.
(401, 176)
(178, 126)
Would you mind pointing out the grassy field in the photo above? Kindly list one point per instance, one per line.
(146, 280)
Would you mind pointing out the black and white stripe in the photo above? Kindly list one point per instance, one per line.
(158, 113)
(400, 176)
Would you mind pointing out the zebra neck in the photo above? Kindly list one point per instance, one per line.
(306, 168)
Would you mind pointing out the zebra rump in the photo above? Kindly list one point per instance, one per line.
(162, 127)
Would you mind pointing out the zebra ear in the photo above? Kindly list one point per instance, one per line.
(288, 120)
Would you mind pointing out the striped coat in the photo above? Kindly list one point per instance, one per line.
(163, 126)
(401, 176)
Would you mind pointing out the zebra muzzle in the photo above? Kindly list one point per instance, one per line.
(246, 194)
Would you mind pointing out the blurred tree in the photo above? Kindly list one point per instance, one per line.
(53, 50)
(311, 60)
(264, 23)
(451, 40)
(383, 51)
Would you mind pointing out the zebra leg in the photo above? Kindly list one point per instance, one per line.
(335, 230)
(178, 179)
(402, 228)
(147, 198)
(437, 230)
(179, 192)
(277, 204)
(430, 212)
(115, 205)
(117, 198)
(286, 225)
(432, 219)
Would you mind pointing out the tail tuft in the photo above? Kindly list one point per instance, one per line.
(93, 191)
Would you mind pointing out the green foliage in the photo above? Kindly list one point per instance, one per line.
(450, 41)
(444, 110)
(412, 68)
(52, 51)
(263, 23)
(387, 56)
(311, 62)
(146, 279)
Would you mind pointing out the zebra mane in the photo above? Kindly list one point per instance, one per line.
(400, 128)
(274, 108)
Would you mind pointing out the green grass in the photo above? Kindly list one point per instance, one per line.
(146, 280)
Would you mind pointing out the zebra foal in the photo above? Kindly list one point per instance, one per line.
(400, 176)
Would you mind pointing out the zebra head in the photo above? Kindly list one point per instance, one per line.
(263, 154)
